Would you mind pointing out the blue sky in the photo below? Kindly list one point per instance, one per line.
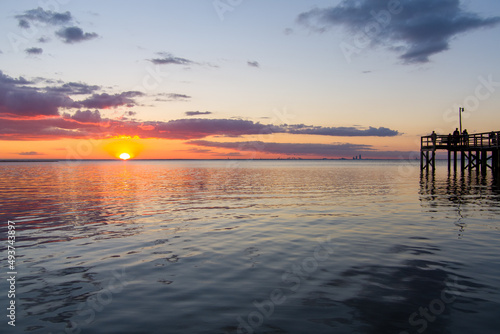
(267, 62)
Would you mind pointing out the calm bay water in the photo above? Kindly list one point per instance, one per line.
(250, 247)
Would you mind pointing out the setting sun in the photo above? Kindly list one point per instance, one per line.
(124, 147)
(124, 156)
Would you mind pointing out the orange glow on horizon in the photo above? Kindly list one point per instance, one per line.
(124, 147)
(154, 148)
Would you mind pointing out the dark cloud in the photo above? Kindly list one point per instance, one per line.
(341, 131)
(27, 112)
(200, 128)
(307, 149)
(74, 88)
(253, 64)
(33, 112)
(87, 116)
(30, 153)
(102, 101)
(72, 35)
(169, 59)
(50, 128)
(29, 103)
(24, 23)
(312, 150)
(85, 123)
(43, 16)
(414, 29)
(34, 51)
(69, 35)
(174, 96)
(5, 79)
(19, 100)
(196, 113)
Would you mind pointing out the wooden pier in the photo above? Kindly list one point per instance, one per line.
(478, 151)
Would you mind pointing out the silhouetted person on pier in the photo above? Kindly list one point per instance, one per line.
(450, 139)
(493, 138)
(456, 137)
(465, 135)
(433, 138)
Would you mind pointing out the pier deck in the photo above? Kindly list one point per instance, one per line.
(477, 150)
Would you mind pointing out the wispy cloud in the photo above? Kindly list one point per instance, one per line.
(173, 97)
(73, 88)
(253, 64)
(30, 153)
(416, 30)
(169, 59)
(302, 149)
(103, 101)
(306, 150)
(196, 113)
(34, 51)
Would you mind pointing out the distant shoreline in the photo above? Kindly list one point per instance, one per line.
(30, 160)
(302, 159)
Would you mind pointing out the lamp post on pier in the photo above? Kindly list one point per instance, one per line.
(460, 111)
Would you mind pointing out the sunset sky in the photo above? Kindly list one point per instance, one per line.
(243, 79)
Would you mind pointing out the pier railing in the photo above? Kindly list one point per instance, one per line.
(475, 141)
